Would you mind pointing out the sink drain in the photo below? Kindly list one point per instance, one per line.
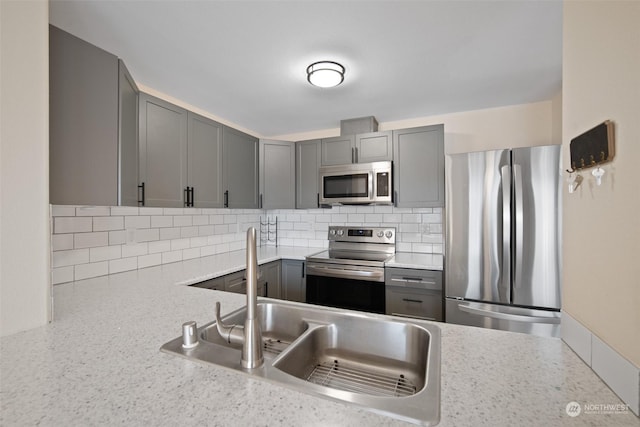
(353, 378)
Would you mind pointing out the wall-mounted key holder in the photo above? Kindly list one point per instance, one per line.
(592, 148)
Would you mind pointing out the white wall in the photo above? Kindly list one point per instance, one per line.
(503, 127)
(601, 80)
(24, 165)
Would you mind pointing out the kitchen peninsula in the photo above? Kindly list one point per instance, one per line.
(99, 363)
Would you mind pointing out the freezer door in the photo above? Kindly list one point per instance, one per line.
(506, 318)
(478, 226)
(536, 227)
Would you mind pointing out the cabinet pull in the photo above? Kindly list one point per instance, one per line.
(395, 199)
(412, 300)
(318, 199)
(266, 289)
(260, 201)
(186, 197)
(192, 197)
(226, 199)
(303, 269)
(356, 150)
(141, 190)
(352, 155)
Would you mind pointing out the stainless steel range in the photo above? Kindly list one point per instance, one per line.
(350, 274)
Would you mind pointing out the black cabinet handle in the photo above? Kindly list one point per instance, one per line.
(352, 155)
(303, 269)
(260, 203)
(356, 150)
(192, 197)
(266, 289)
(412, 300)
(318, 199)
(395, 199)
(226, 199)
(186, 197)
(141, 190)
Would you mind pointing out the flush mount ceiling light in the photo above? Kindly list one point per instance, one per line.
(325, 74)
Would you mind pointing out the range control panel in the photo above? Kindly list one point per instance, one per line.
(362, 234)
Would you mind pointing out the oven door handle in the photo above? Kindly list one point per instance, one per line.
(344, 273)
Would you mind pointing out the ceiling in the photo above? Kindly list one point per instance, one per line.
(245, 61)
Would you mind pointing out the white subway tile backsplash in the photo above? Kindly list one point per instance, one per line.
(62, 275)
(118, 237)
(90, 240)
(123, 264)
(105, 253)
(93, 211)
(60, 242)
(169, 233)
(70, 257)
(149, 260)
(63, 211)
(86, 271)
(124, 210)
(135, 249)
(72, 224)
(108, 223)
(147, 234)
(159, 246)
(137, 222)
(174, 256)
(97, 240)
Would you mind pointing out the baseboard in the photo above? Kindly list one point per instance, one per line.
(622, 376)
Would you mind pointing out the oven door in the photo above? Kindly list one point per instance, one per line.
(346, 286)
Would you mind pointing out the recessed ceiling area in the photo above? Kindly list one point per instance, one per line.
(246, 61)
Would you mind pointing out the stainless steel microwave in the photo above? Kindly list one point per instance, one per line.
(358, 183)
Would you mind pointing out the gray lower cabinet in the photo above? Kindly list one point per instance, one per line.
(277, 174)
(418, 155)
(163, 152)
(307, 164)
(414, 293)
(293, 284)
(204, 162)
(88, 100)
(271, 278)
(240, 152)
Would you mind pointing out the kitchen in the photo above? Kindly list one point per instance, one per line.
(613, 322)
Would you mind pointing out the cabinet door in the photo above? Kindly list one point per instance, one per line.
(293, 281)
(418, 155)
(240, 153)
(374, 147)
(271, 279)
(338, 150)
(127, 138)
(307, 164)
(83, 122)
(163, 152)
(204, 165)
(277, 174)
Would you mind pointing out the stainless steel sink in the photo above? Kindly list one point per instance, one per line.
(380, 363)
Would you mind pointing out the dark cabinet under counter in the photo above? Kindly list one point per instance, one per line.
(414, 293)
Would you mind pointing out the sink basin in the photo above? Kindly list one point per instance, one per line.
(380, 363)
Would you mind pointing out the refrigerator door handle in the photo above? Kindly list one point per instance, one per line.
(505, 176)
(519, 227)
(479, 310)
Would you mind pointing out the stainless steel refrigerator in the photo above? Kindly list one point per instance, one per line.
(503, 237)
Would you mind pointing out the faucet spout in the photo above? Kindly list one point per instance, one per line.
(252, 345)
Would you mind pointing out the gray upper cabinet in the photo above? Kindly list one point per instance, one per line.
(307, 164)
(204, 162)
(277, 174)
(127, 138)
(240, 153)
(338, 150)
(373, 147)
(360, 148)
(163, 152)
(419, 166)
(83, 122)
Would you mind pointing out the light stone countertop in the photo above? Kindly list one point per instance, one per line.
(99, 363)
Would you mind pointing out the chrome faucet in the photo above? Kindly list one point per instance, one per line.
(250, 336)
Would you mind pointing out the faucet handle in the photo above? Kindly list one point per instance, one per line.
(233, 334)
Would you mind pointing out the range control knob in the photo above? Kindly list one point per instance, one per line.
(380, 233)
(340, 232)
(389, 234)
(332, 232)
